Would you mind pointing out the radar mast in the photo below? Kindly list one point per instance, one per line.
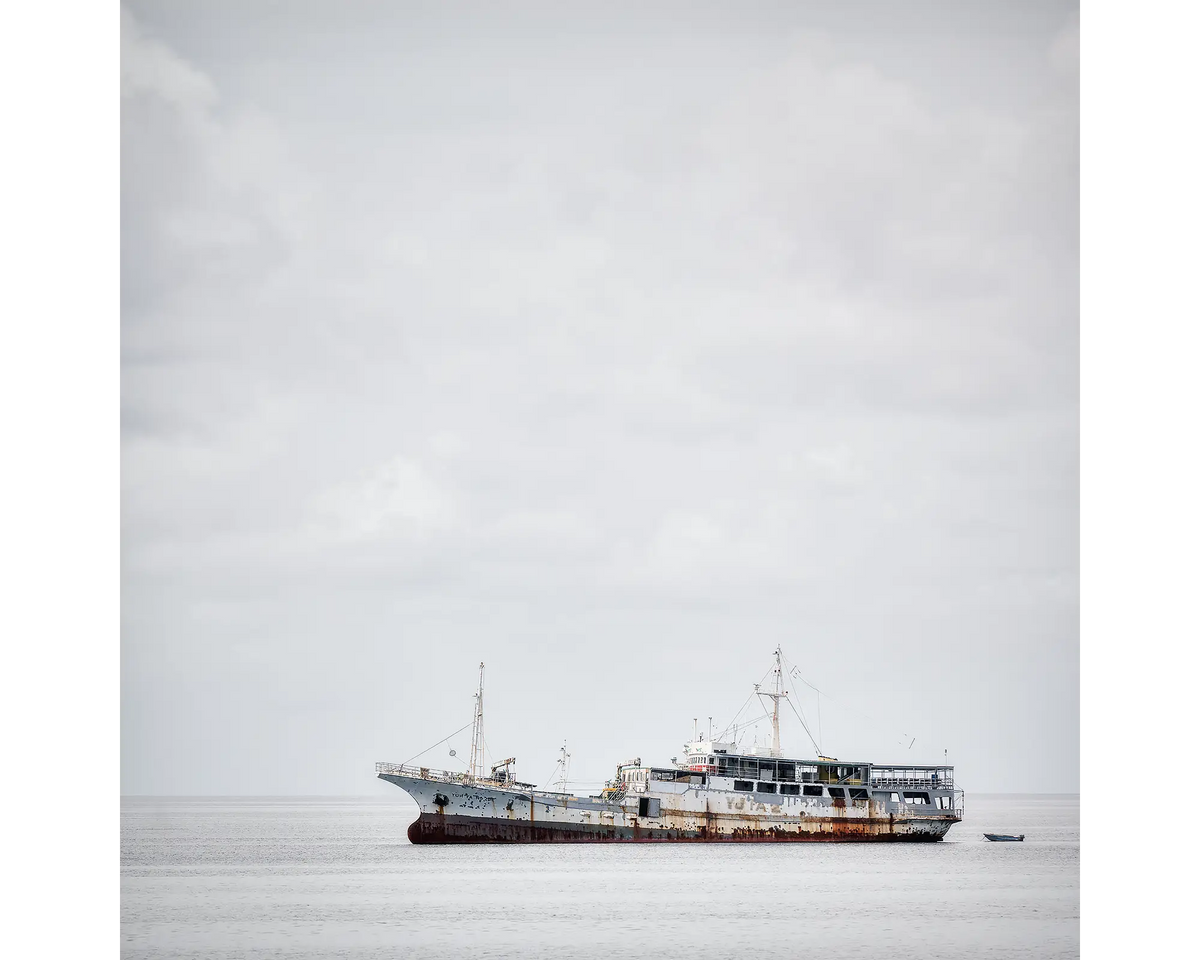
(776, 695)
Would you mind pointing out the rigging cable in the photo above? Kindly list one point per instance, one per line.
(804, 725)
(883, 724)
(749, 723)
(733, 723)
(438, 744)
(795, 672)
(550, 780)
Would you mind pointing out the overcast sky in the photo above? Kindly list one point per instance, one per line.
(611, 348)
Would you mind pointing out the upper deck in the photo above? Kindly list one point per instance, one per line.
(714, 759)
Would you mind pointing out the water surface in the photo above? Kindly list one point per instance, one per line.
(319, 877)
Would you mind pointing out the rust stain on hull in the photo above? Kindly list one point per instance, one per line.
(440, 828)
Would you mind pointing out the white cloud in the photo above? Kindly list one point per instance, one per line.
(400, 498)
(569, 337)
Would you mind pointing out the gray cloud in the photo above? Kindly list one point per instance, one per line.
(607, 351)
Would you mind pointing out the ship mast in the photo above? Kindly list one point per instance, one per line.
(564, 764)
(477, 761)
(778, 694)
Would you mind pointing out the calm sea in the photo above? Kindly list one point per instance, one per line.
(321, 877)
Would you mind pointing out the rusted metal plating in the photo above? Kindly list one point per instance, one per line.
(687, 811)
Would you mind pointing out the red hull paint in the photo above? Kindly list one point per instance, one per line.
(439, 828)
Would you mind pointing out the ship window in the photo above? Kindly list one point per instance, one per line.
(916, 797)
(838, 793)
(649, 806)
(787, 771)
(766, 788)
(895, 798)
(744, 785)
(857, 793)
(790, 788)
(812, 790)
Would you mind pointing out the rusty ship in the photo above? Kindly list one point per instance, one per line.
(713, 793)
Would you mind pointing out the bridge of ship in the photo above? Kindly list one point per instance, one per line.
(829, 772)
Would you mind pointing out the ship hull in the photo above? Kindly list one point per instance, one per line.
(448, 828)
(474, 813)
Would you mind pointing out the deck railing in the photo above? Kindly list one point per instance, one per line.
(421, 773)
(914, 783)
(448, 776)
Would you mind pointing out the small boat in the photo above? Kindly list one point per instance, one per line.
(1004, 836)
